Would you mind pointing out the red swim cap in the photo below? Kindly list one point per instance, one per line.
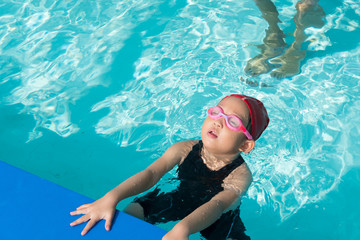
(258, 114)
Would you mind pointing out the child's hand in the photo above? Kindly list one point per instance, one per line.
(104, 208)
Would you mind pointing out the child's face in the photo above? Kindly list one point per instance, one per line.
(217, 137)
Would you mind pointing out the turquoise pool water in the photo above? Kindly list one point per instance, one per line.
(92, 92)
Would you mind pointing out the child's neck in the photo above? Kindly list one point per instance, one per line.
(216, 162)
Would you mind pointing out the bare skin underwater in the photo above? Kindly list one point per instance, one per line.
(274, 56)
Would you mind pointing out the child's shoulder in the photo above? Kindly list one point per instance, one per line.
(185, 144)
(181, 149)
(191, 142)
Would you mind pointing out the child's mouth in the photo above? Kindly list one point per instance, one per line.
(212, 134)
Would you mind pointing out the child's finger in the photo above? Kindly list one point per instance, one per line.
(83, 206)
(80, 220)
(108, 222)
(78, 212)
(88, 226)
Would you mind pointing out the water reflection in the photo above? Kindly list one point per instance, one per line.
(58, 51)
(197, 56)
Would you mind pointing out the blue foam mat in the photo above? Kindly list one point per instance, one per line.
(34, 208)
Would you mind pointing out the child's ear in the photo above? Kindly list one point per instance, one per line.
(247, 146)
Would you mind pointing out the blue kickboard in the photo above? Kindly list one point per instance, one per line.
(34, 208)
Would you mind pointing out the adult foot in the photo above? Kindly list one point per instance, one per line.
(273, 46)
(258, 65)
(290, 63)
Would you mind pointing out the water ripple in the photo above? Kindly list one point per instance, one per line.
(186, 69)
(58, 50)
(61, 48)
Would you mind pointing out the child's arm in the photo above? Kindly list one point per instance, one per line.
(208, 213)
(104, 208)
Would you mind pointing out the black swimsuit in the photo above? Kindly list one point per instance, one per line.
(198, 184)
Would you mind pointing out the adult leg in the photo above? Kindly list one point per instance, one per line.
(274, 43)
(309, 14)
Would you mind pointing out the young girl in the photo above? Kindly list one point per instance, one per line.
(212, 174)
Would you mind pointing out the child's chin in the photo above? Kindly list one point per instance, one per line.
(209, 143)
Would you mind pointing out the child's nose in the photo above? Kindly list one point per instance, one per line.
(219, 122)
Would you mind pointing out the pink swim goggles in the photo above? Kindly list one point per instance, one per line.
(232, 122)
